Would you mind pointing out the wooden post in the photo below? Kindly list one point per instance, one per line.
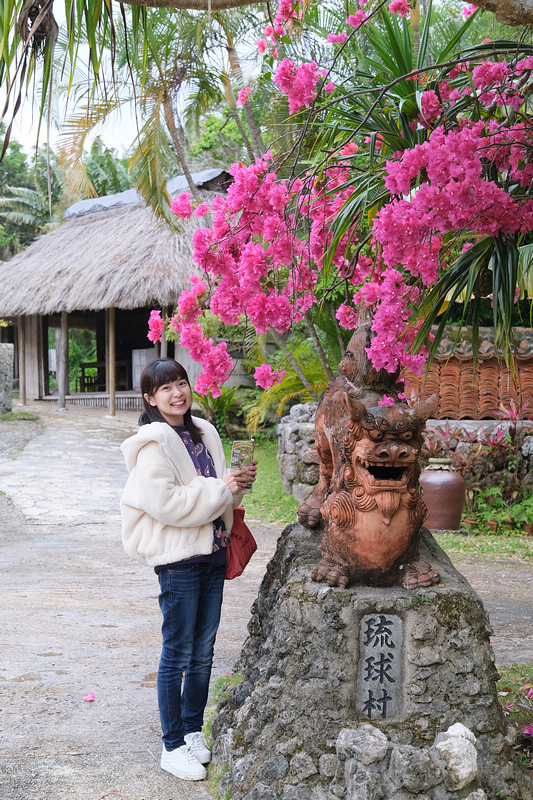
(62, 365)
(22, 360)
(164, 343)
(112, 362)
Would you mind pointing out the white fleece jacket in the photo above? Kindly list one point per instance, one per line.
(167, 509)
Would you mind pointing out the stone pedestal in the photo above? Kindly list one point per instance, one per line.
(357, 693)
(6, 378)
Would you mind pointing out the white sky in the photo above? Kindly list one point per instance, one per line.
(119, 130)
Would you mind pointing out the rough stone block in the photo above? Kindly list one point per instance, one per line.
(301, 491)
(413, 769)
(6, 378)
(308, 473)
(261, 792)
(306, 431)
(303, 766)
(273, 769)
(366, 744)
(360, 784)
(288, 465)
(460, 757)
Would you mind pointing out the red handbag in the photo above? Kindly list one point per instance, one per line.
(241, 545)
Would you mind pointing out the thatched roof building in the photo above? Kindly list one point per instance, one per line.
(103, 270)
(110, 253)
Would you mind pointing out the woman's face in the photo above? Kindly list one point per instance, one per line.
(172, 400)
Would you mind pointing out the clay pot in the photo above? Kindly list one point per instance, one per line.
(444, 495)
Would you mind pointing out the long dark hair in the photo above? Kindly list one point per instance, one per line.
(156, 374)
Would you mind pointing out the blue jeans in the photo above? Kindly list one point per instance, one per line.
(191, 601)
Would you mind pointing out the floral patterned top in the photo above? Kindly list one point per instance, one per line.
(203, 463)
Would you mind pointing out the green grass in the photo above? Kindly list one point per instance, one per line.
(514, 686)
(268, 502)
(487, 545)
(12, 416)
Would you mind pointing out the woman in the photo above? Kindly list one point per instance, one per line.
(177, 508)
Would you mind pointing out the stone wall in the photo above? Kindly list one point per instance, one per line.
(6, 377)
(304, 724)
(298, 459)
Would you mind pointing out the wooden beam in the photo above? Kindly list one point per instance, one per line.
(62, 365)
(22, 359)
(112, 361)
(164, 343)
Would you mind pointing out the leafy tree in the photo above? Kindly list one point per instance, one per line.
(364, 211)
(107, 173)
(219, 142)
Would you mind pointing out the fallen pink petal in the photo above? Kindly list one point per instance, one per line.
(528, 730)
(89, 698)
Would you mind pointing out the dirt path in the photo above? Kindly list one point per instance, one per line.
(78, 616)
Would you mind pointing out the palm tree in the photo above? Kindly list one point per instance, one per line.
(30, 34)
(183, 70)
(26, 207)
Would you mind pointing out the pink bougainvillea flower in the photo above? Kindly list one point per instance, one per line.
(530, 693)
(528, 730)
(155, 326)
(347, 316)
(202, 210)
(400, 7)
(354, 20)
(509, 707)
(386, 401)
(181, 206)
(266, 377)
(469, 9)
(243, 95)
(261, 45)
(89, 698)
(339, 38)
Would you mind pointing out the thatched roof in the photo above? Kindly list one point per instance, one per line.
(118, 256)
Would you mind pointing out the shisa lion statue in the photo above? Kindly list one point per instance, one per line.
(368, 494)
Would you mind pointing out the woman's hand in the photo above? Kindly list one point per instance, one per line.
(237, 481)
(242, 478)
(252, 471)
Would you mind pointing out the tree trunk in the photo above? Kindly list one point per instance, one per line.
(236, 71)
(178, 146)
(415, 25)
(510, 12)
(230, 99)
(298, 370)
(337, 329)
(253, 127)
(320, 350)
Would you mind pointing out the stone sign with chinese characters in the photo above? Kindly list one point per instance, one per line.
(379, 681)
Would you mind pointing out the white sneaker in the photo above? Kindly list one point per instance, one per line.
(183, 764)
(198, 745)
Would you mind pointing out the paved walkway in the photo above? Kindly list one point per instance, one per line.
(79, 616)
